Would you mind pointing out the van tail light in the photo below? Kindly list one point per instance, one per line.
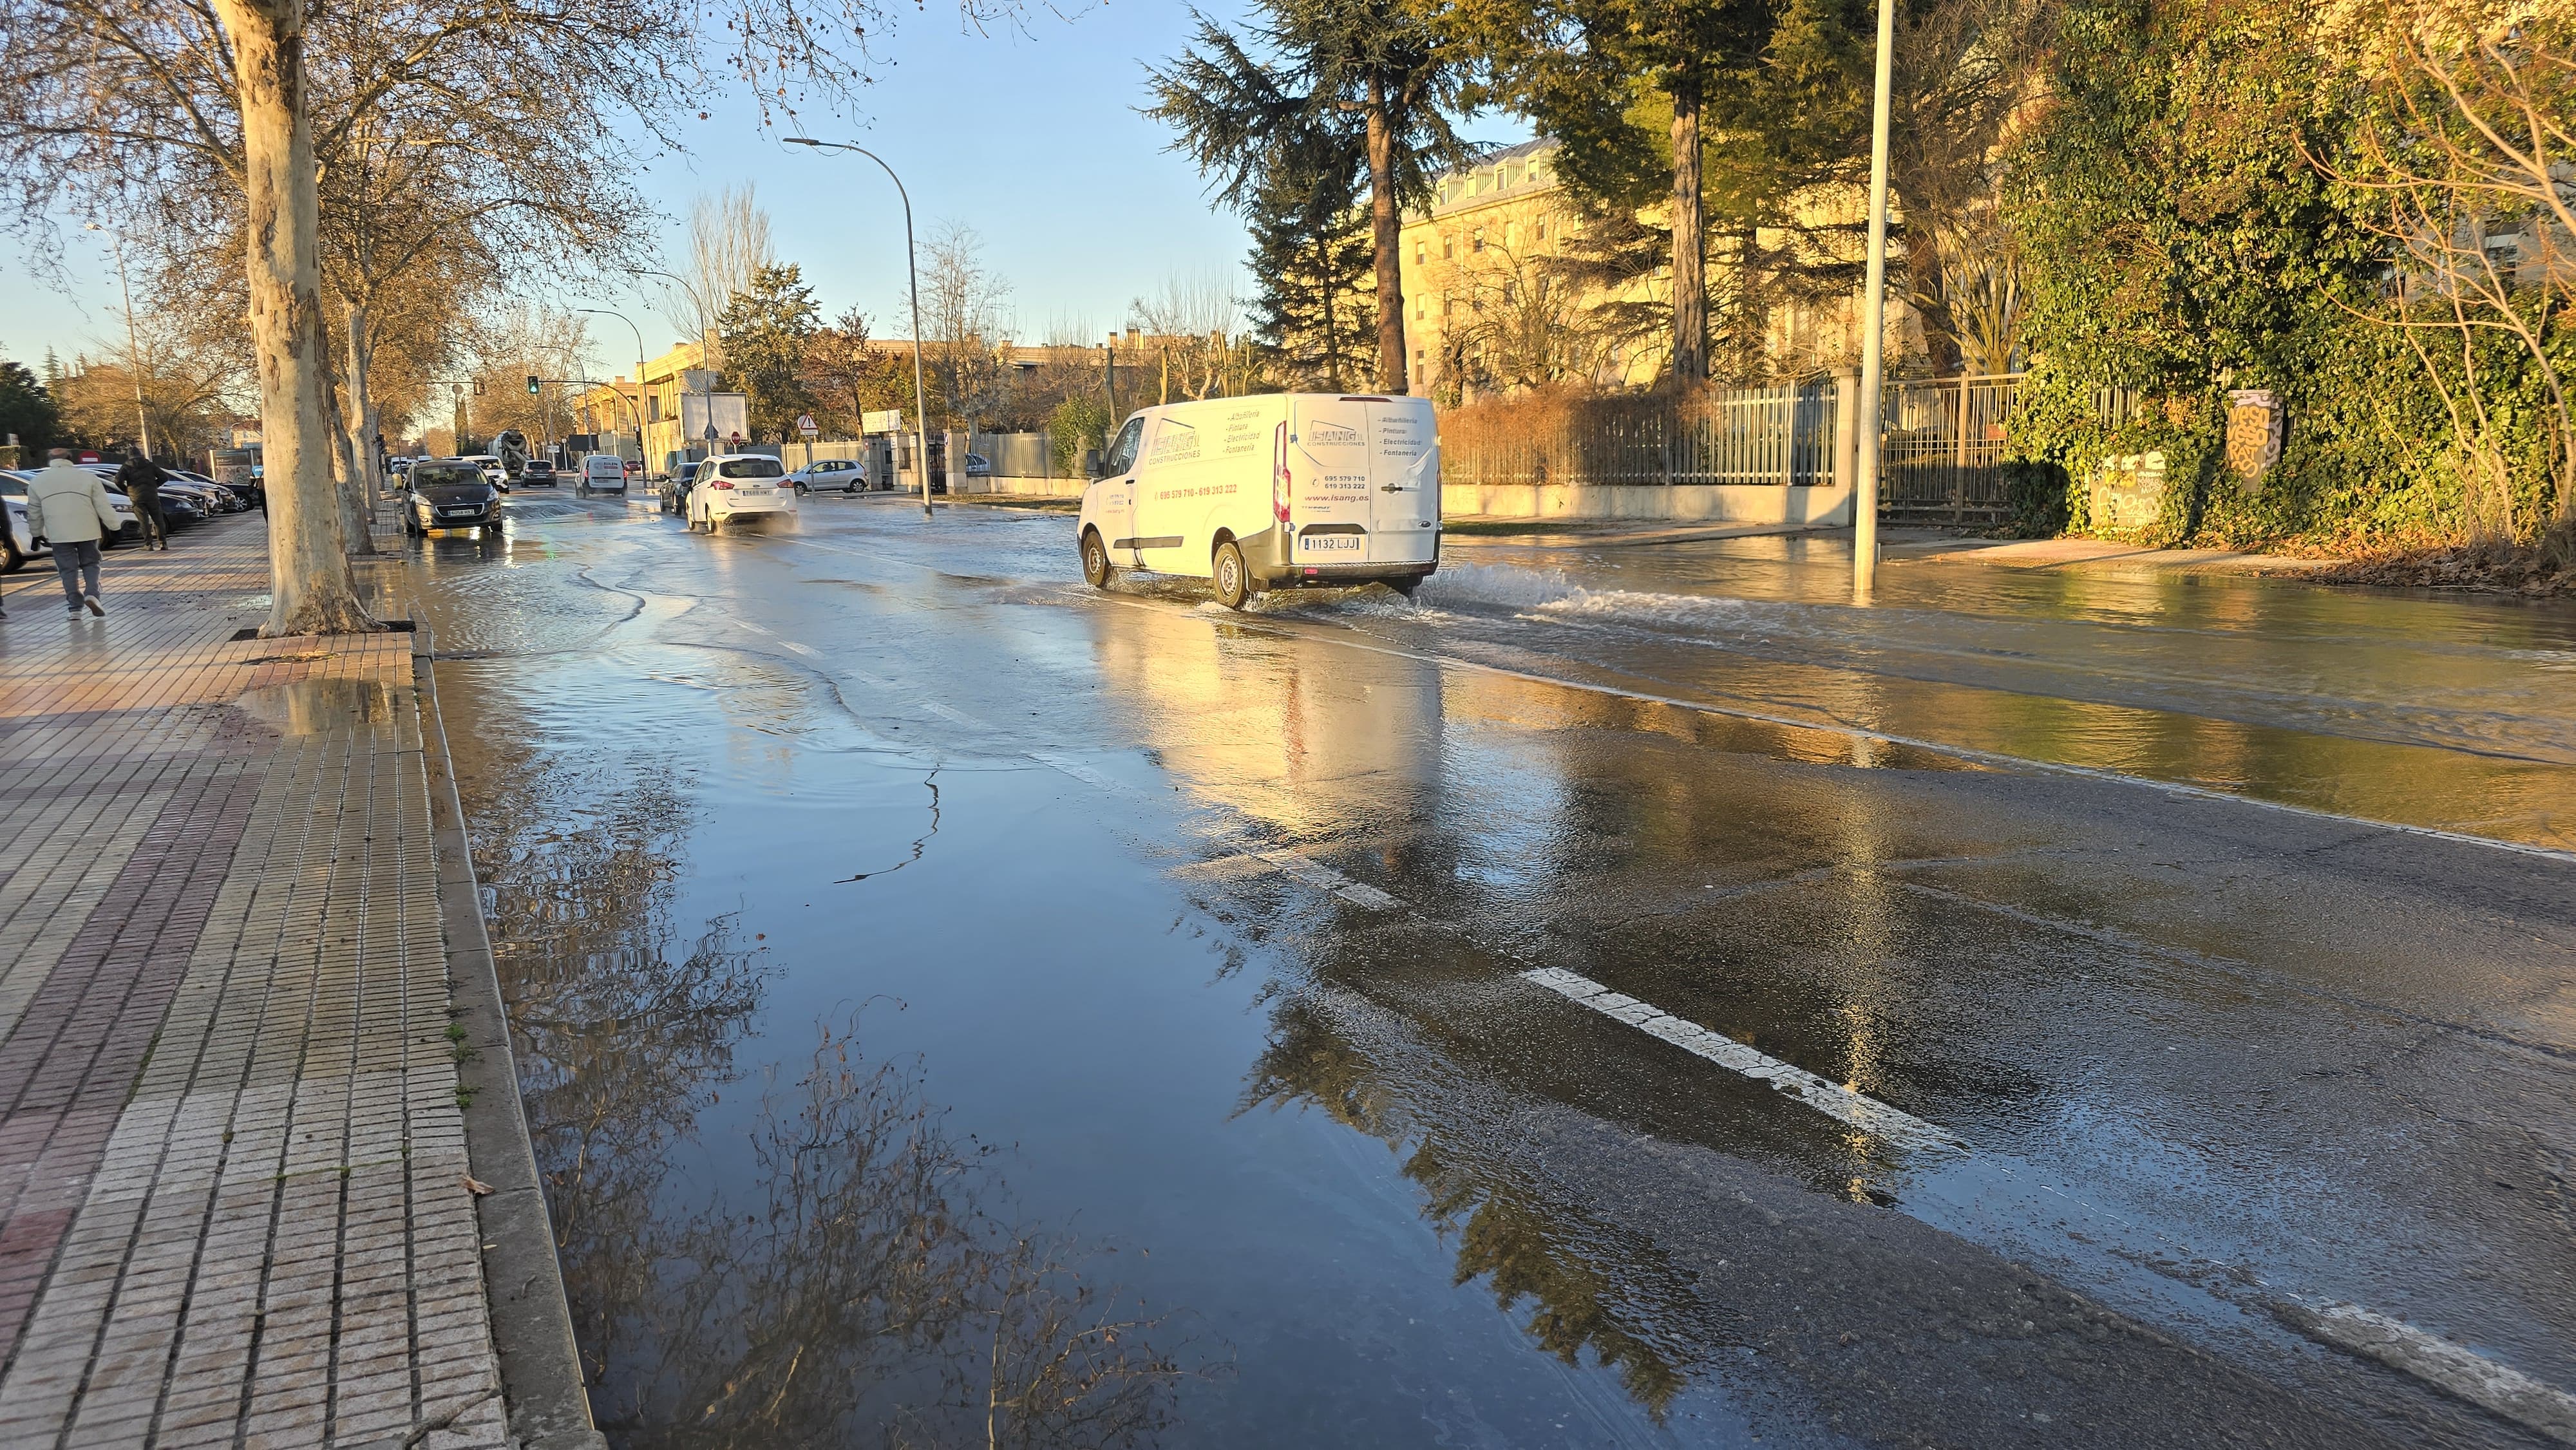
(1279, 480)
(724, 483)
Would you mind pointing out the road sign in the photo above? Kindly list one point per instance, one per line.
(888, 421)
(805, 425)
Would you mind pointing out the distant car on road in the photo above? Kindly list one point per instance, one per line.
(537, 471)
(831, 475)
(978, 466)
(453, 494)
(732, 487)
(601, 473)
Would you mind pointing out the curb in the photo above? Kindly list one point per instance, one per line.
(541, 1377)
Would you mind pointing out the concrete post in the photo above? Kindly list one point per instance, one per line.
(956, 462)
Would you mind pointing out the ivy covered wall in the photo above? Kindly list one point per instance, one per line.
(2184, 237)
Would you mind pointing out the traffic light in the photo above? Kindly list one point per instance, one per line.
(532, 385)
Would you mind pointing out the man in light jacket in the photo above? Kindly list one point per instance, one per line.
(70, 509)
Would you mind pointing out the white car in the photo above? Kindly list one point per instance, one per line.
(601, 473)
(493, 473)
(18, 543)
(129, 524)
(734, 486)
(828, 475)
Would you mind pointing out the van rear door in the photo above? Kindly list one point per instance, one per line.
(1329, 468)
(1404, 482)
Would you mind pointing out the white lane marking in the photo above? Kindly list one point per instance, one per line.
(1301, 867)
(954, 717)
(1834, 1100)
(2461, 1371)
(1076, 769)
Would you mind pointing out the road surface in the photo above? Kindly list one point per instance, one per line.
(1631, 997)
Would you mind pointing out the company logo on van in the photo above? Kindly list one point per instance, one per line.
(1331, 435)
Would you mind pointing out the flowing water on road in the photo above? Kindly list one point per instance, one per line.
(947, 994)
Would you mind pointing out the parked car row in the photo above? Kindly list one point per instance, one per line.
(187, 498)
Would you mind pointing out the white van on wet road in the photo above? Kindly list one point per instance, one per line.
(1278, 491)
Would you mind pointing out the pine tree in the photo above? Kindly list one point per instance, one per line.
(1312, 258)
(765, 329)
(1361, 89)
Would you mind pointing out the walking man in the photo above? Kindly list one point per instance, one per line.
(143, 479)
(70, 508)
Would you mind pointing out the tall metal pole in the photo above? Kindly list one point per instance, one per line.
(639, 368)
(1873, 363)
(133, 350)
(912, 266)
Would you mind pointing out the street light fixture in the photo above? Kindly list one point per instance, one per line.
(920, 395)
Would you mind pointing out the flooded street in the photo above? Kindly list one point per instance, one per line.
(1622, 997)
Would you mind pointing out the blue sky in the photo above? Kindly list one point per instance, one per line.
(1031, 138)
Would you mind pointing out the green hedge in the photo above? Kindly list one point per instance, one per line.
(2180, 243)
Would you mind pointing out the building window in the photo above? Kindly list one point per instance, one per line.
(1448, 247)
(1417, 251)
(1417, 307)
(1477, 244)
(1417, 367)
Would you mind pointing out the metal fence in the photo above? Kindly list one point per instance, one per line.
(1016, 455)
(1776, 436)
(1942, 443)
(1942, 447)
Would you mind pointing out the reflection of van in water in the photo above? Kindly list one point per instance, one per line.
(1270, 492)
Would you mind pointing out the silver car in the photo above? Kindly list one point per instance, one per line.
(831, 475)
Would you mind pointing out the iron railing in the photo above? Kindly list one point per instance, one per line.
(1780, 436)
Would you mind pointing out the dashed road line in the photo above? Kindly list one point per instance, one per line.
(1076, 769)
(2457, 1369)
(1847, 1105)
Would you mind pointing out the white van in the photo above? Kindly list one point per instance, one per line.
(603, 473)
(1277, 491)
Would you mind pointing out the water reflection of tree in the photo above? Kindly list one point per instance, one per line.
(1531, 1248)
(865, 1284)
(867, 1287)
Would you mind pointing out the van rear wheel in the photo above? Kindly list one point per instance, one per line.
(1095, 560)
(1233, 578)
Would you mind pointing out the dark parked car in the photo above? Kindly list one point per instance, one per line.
(675, 489)
(535, 472)
(450, 495)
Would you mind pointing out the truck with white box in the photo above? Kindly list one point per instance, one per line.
(1276, 491)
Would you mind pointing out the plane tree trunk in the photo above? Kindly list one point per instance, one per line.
(312, 588)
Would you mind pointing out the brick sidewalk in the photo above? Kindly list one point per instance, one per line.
(232, 1159)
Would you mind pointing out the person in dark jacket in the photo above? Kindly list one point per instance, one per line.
(142, 479)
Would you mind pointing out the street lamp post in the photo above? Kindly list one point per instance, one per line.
(133, 352)
(639, 366)
(1873, 364)
(705, 314)
(920, 395)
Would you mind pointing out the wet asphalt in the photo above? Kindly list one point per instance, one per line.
(951, 1001)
